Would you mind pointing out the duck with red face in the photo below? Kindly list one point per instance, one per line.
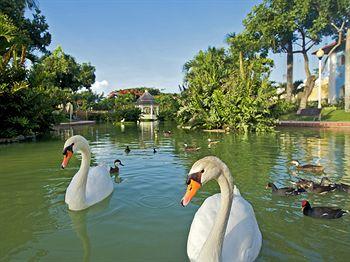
(321, 212)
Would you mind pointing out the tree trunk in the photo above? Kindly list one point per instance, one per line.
(290, 87)
(309, 85)
(347, 72)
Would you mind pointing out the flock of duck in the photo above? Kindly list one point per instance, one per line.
(305, 185)
(223, 229)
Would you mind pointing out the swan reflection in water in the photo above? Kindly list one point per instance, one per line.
(80, 224)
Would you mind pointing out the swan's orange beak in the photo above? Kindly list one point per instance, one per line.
(66, 158)
(191, 191)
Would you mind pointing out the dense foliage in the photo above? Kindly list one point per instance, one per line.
(61, 70)
(30, 97)
(227, 90)
(169, 105)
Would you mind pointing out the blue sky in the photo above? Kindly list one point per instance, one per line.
(146, 42)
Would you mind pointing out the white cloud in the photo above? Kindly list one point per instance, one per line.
(101, 86)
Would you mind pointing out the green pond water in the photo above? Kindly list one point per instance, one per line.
(143, 219)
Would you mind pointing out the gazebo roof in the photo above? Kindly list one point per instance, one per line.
(146, 99)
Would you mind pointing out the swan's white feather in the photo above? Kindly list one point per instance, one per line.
(99, 184)
(242, 238)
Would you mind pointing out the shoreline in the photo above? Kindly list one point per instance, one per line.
(75, 123)
(314, 124)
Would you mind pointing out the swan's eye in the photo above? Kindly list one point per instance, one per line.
(68, 148)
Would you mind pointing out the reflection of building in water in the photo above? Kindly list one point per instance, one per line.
(149, 109)
(148, 130)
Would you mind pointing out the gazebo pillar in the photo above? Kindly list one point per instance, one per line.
(151, 111)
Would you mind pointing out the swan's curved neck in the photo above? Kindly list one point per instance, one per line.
(211, 250)
(81, 176)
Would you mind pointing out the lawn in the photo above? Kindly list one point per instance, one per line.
(327, 114)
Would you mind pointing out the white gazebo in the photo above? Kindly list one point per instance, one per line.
(149, 109)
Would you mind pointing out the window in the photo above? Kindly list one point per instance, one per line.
(341, 60)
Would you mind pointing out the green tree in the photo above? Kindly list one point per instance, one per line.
(228, 89)
(61, 70)
(168, 106)
(271, 25)
(293, 27)
(11, 40)
(35, 28)
(205, 73)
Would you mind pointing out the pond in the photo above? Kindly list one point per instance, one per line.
(143, 219)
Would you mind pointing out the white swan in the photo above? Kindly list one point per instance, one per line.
(224, 227)
(89, 185)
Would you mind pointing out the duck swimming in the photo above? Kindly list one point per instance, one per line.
(191, 148)
(343, 187)
(305, 183)
(115, 169)
(127, 150)
(308, 167)
(321, 212)
(154, 151)
(320, 189)
(285, 191)
(167, 133)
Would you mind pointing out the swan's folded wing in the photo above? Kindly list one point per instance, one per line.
(243, 238)
(99, 184)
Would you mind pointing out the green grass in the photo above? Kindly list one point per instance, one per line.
(327, 114)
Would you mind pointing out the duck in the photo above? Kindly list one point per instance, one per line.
(154, 151)
(343, 187)
(308, 167)
(115, 169)
(191, 148)
(224, 228)
(89, 185)
(320, 189)
(122, 121)
(302, 183)
(212, 142)
(321, 212)
(305, 183)
(285, 191)
(127, 150)
(167, 133)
